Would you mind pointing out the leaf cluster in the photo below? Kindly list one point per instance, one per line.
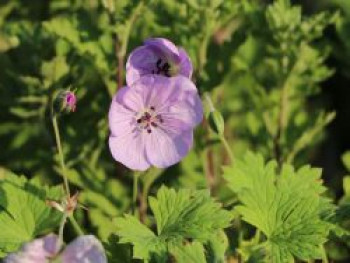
(186, 220)
(286, 206)
(24, 213)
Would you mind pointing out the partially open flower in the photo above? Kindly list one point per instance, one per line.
(157, 56)
(152, 123)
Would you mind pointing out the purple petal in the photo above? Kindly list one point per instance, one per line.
(129, 149)
(175, 98)
(158, 91)
(84, 249)
(126, 142)
(164, 46)
(123, 108)
(130, 100)
(163, 150)
(142, 61)
(185, 68)
(36, 251)
(189, 106)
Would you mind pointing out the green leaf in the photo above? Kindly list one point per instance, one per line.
(54, 69)
(7, 42)
(117, 253)
(24, 212)
(191, 252)
(346, 160)
(346, 185)
(63, 28)
(145, 242)
(187, 214)
(180, 216)
(217, 247)
(286, 207)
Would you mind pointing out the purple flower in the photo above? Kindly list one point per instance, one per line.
(84, 249)
(157, 56)
(152, 123)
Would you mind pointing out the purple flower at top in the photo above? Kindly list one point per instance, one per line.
(157, 56)
(84, 249)
(152, 123)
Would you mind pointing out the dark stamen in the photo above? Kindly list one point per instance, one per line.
(162, 69)
(160, 119)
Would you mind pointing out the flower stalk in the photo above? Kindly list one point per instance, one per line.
(227, 148)
(135, 192)
(69, 203)
(75, 225)
(217, 125)
(60, 153)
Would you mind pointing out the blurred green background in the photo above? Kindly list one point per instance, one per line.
(248, 55)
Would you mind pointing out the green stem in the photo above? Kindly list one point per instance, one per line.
(135, 192)
(147, 179)
(324, 255)
(76, 226)
(121, 44)
(60, 153)
(227, 148)
(60, 231)
(257, 237)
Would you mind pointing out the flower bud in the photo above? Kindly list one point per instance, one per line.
(216, 122)
(215, 119)
(65, 102)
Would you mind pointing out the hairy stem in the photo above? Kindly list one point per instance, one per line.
(121, 44)
(76, 226)
(324, 254)
(135, 192)
(227, 148)
(60, 231)
(60, 153)
(148, 180)
(282, 116)
(210, 171)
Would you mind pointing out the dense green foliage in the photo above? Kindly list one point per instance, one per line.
(260, 64)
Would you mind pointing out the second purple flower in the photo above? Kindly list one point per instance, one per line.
(157, 56)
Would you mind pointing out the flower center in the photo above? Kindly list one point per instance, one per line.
(149, 119)
(164, 68)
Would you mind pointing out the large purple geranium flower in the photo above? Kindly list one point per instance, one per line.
(157, 56)
(152, 123)
(84, 249)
